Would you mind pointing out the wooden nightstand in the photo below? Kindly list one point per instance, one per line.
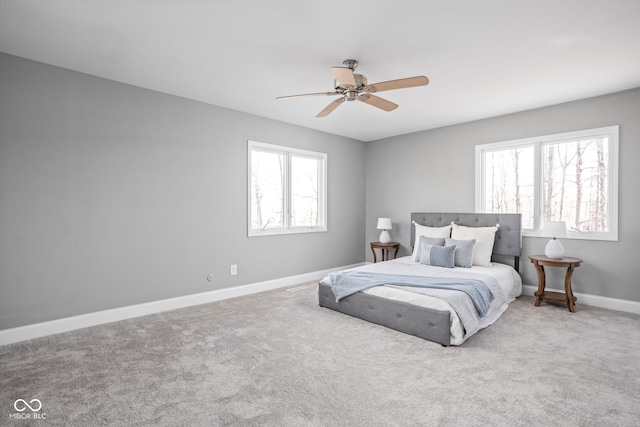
(540, 261)
(385, 248)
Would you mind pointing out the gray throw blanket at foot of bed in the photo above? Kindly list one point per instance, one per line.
(345, 283)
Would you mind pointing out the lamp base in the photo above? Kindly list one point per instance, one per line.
(554, 249)
(385, 237)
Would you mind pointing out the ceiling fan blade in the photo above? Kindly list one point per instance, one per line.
(309, 94)
(378, 102)
(344, 76)
(329, 108)
(397, 84)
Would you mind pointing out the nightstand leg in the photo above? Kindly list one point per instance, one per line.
(541, 284)
(374, 255)
(568, 291)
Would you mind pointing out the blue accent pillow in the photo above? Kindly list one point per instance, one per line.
(464, 251)
(439, 256)
(424, 240)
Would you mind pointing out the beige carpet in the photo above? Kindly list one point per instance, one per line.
(277, 359)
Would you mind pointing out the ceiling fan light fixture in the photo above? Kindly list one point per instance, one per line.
(351, 95)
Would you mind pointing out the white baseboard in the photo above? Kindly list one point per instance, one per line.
(37, 330)
(594, 300)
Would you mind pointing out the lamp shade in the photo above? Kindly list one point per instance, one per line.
(384, 224)
(554, 229)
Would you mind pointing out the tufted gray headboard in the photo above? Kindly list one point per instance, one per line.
(508, 237)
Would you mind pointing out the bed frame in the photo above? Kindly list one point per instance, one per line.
(432, 325)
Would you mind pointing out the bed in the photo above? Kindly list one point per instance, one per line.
(436, 314)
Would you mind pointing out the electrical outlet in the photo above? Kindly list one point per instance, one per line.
(234, 269)
(210, 278)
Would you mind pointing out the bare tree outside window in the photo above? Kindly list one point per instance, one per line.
(563, 177)
(287, 190)
(304, 191)
(509, 182)
(267, 179)
(579, 173)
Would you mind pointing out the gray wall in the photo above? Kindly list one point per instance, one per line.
(112, 195)
(434, 171)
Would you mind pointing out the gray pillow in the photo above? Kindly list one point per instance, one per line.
(435, 241)
(439, 256)
(464, 251)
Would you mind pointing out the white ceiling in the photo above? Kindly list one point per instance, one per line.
(484, 58)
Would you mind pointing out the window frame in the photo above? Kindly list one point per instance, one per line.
(288, 152)
(538, 143)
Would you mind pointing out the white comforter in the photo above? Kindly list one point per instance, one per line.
(507, 278)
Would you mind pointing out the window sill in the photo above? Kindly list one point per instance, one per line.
(280, 231)
(575, 235)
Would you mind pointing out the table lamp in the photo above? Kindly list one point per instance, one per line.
(384, 224)
(554, 229)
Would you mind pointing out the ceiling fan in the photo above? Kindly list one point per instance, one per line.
(351, 87)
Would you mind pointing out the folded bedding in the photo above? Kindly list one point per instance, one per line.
(345, 283)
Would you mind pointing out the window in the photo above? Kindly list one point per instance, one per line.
(571, 177)
(287, 190)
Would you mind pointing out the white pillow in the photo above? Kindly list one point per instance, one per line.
(423, 230)
(485, 237)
